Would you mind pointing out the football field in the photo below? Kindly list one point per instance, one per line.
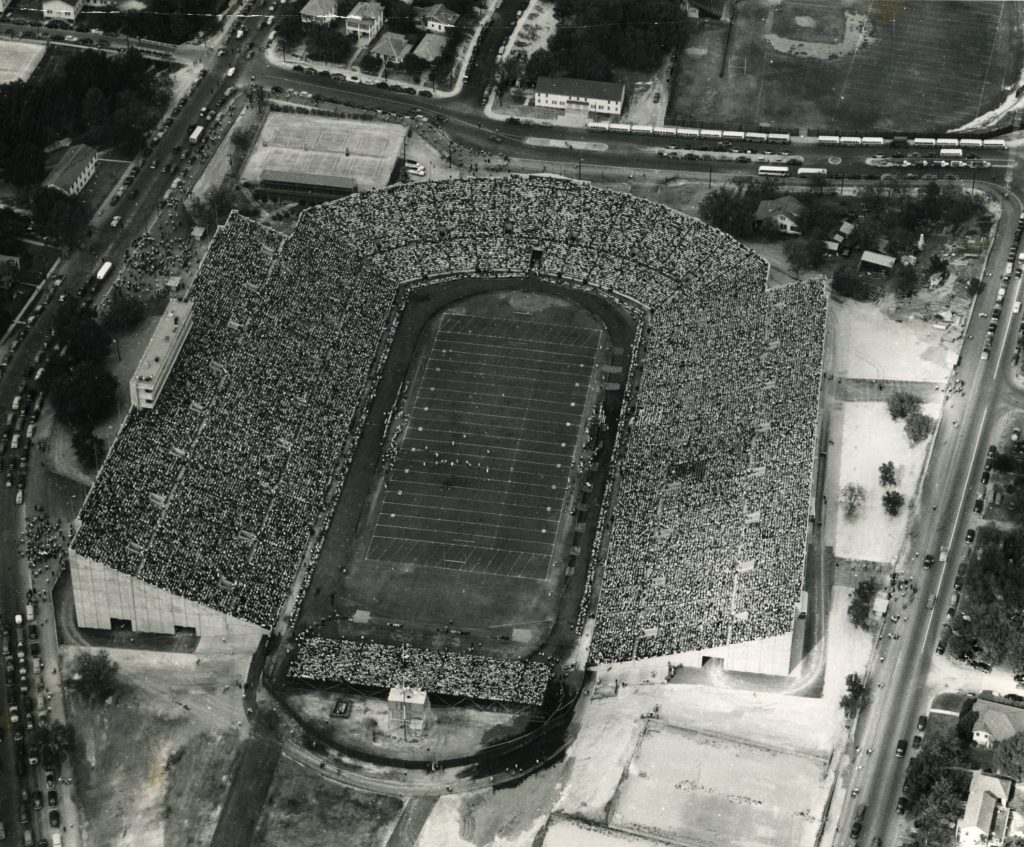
(484, 459)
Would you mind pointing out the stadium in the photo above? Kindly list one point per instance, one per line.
(465, 431)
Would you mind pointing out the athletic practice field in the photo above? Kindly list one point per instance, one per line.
(916, 65)
(18, 59)
(486, 457)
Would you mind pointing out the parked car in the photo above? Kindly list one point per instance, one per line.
(969, 537)
(901, 748)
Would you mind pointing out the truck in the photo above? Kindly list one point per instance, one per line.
(194, 137)
(30, 613)
(230, 72)
(803, 604)
(943, 555)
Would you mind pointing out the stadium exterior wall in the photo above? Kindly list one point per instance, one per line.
(770, 656)
(102, 594)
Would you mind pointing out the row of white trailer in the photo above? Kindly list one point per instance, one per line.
(785, 137)
(920, 141)
(685, 132)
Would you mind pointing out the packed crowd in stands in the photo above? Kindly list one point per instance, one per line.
(438, 671)
(217, 493)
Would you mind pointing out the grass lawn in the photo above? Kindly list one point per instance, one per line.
(917, 66)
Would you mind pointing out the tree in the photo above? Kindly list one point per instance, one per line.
(856, 696)
(852, 498)
(975, 286)
(212, 208)
(804, 253)
(124, 312)
(940, 809)
(325, 44)
(1009, 757)
(86, 339)
(414, 65)
(89, 449)
(848, 283)
(886, 474)
(26, 164)
(289, 28)
(863, 598)
(903, 403)
(940, 752)
(892, 502)
(59, 216)
(905, 279)
(94, 677)
(56, 742)
(918, 427)
(84, 396)
(243, 136)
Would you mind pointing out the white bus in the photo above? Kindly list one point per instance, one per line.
(665, 130)
(811, 171)
(849, 140)
(828, 139)
(951, 152)
(711, 133)
(922, 142)
(641, 129)
(778, 137)
(194, 137)
(101, 274)
(757, 136)
(773, 170)
(970, 142)
(873, 141)
(686, 132)
(732, 135)
(947, 142)
(613, 127)
(597, 126)
(994, 143)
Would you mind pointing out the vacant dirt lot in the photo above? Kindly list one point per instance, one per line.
(152, 768)
(305, 811)
(691, 785)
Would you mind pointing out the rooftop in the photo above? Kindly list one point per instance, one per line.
(320, 9)
(367, 9)
(438, 12)
(75, 160)
(580, 88)
(171, 323)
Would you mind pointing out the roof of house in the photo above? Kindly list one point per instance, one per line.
(319, 9)
(987, 794)
(879, 259)
(786, 205)
(430, 46)
(368, 9)
(712, 7)
(846, 227)
(584, 88)
(75, 160)
(996, 724)
(391, 46)
(1000, 720)
(438, 12)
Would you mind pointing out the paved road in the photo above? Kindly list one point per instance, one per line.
(899, 668)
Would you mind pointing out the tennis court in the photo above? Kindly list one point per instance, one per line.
(481, 470)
